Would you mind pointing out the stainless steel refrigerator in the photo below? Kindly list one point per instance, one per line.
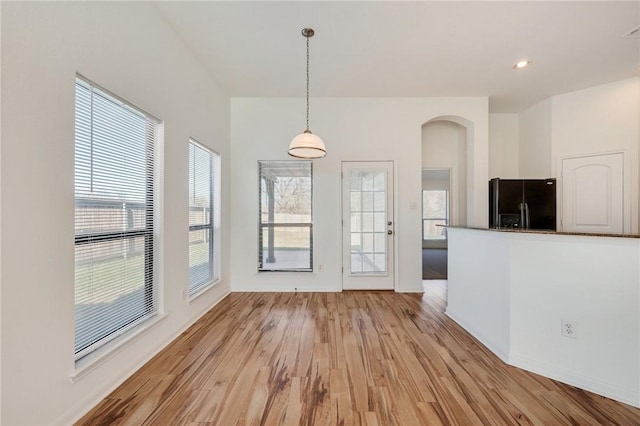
(522, 203)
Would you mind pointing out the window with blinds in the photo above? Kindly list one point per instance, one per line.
(114, 216)
(203, 173)
(285, 226)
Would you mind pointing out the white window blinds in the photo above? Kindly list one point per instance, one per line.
(202, 250)
(114, 217)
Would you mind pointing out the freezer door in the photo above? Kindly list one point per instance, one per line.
(506, 203)
(540, 204)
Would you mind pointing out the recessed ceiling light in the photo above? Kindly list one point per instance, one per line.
(521, 64)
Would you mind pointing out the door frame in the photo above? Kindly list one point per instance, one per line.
(629, 225)
(394, 208)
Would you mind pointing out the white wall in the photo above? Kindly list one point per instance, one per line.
(598, 120)
(479, 302)
(128, 49)
(512, 290)
(504, 138)
(0, 220)
(534, 150)
(444, 145)
(353, 129)
(594, 282)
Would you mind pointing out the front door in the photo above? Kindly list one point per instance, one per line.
(367, 231)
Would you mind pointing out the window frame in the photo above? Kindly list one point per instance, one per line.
(262, 225)
(151, 203)
(197, 288)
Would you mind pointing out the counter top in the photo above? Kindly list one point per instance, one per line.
(540, 231)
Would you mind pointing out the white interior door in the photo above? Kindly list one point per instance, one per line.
(593, 194)
(368, 227)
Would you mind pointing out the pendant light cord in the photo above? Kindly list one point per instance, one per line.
(307, 83)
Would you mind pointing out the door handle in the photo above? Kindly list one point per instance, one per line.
(389, 232)
(521, 208)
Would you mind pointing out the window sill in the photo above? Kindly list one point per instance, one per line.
(96, 358)
(296, 274)
(204, 289)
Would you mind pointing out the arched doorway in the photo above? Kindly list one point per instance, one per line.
(447, 158)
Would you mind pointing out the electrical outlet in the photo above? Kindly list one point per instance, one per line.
(569, 329)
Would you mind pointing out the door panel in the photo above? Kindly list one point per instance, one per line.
(592, 194)
(509, 203)
(540, 199)
(510, 196)
(367, 217)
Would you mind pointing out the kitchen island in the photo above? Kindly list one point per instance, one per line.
(513, 290)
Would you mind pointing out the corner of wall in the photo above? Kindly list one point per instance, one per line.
(504, 146)
(534, 145)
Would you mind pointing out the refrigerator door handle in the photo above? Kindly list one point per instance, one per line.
(526, 215)
(521, 208)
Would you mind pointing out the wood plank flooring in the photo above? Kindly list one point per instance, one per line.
(352, 358)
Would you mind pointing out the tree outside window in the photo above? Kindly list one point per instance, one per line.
(435, 214)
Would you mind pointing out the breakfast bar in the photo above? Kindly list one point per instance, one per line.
(517, 292)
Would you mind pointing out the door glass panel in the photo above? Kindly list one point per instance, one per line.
(380, 242)
(379, 222)
(356, 263)
(356, 220)
(355, 242)
(355, 201)
(356, 183)
(379, 201)
(367, 263)
(367, 201)
(367, 242)
(367, 180)
(368, 222)
(379, 182)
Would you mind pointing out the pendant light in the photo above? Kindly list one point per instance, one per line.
(306, 144)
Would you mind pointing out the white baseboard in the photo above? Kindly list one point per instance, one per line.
(504, 356)
(627, 396)
(77, 411)
(286, 288)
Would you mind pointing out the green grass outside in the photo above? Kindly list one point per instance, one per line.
(94, 280)
(287, 239)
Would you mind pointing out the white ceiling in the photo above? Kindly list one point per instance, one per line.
(411, 49)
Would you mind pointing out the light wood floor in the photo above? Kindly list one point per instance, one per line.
(343, 359)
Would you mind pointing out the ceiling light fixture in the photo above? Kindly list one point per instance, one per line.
(521, 64)
(306, 144)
